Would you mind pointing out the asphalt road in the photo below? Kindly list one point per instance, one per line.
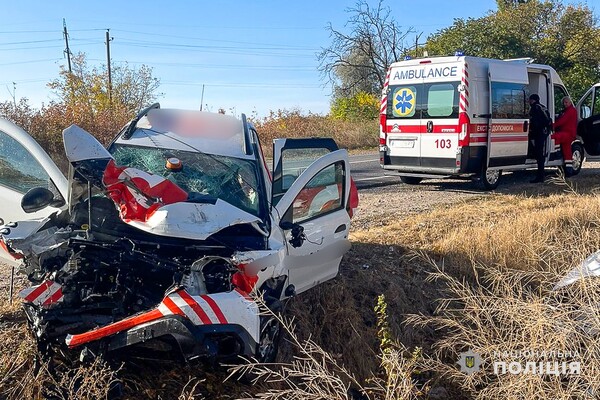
(367, 174)
(366, 171)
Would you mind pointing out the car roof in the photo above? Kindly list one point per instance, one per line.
(189, 130)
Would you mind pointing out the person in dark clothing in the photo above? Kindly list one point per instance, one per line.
(539, 123)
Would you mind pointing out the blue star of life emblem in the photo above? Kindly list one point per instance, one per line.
(404, 102)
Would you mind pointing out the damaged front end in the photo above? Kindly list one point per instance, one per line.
(128, 271)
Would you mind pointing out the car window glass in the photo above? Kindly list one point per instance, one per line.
(596, 107)
(228, 178)
(585, 110)
(321, 195)
(440, 100)
(403, 102)
(430, 100)
(295, 161)
(559, 94)
(19, 170)
(508, 100)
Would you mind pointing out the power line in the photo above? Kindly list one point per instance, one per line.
(212, 40)
(219, 66)
(245, 85)
(30, 62)
(30, 42)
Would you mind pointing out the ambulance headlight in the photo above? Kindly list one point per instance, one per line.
(589, 268)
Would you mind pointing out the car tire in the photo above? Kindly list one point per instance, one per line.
(578, 156)
(270, 332)
(489, 179)
(411, 180)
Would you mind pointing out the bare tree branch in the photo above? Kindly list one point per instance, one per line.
(359, 55)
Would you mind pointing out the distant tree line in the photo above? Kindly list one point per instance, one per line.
(566, 37)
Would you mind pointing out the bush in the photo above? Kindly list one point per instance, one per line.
(294, 124)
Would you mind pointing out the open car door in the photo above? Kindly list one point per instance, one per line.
(24, 165)
(312, 205)
(588, 127)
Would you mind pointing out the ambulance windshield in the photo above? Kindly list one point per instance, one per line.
(430, 100)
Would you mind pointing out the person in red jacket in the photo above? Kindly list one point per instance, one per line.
(565, 130)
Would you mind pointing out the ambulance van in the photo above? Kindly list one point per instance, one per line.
(467, 116)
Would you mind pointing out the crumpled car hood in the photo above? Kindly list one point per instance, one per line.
(192, 220)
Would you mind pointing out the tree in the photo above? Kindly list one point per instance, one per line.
(358, 58)
(83, 96)
(504, 4)
(564, 37)
(361, 106)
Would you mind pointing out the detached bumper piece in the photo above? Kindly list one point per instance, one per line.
(218, 325)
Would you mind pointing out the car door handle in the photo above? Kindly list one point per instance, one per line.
(340, 228)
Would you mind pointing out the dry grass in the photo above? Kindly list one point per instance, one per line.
(24, 376)
(494, 261)
(295, 124)
(507, 316)
(525, 233)
(314, 373)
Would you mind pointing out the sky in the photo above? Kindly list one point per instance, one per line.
(250, 56)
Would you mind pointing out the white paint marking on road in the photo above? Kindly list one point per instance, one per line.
(357, 162)
(375, 177)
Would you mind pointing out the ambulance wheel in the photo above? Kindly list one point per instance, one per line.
(578, 156)
(489, 179)
(411, 180)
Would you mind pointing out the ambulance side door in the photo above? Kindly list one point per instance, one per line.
(509, 121)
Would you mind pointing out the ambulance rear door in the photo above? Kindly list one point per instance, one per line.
(509, 116)
(439, 115)
(403, 125)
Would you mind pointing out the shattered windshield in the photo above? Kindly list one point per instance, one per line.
(227, 178)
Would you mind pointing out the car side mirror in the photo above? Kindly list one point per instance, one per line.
(39, 198)
(297, 237)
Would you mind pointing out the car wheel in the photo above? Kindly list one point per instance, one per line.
(578, 156)
(270, 332)
(489, 179)
(411, 180)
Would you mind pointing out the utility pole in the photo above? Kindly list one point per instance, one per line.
(67, 51)
(13, 94)
(202, 98)
(108, 39)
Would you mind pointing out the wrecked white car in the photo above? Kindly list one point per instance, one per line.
(163, 241)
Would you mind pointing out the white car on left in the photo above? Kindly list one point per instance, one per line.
(162, 242)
